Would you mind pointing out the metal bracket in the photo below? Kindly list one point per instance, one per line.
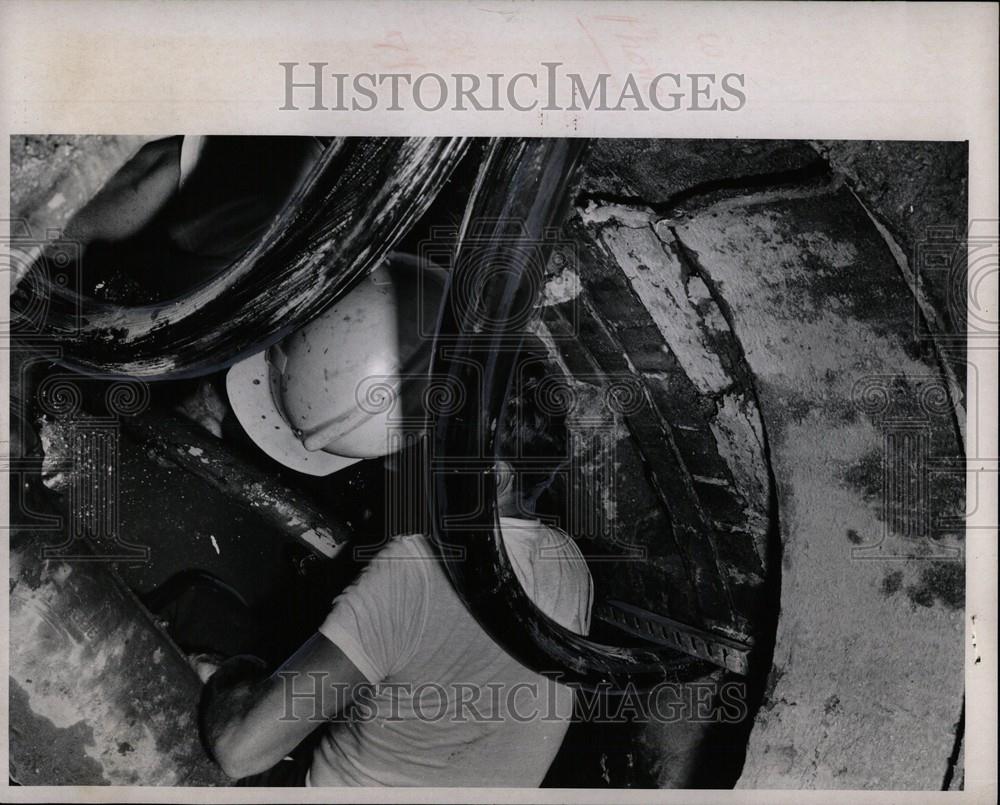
(722, 651)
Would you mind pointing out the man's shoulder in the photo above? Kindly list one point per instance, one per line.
(516, 532)
(415, 550)
(537, 536)
(551, 569)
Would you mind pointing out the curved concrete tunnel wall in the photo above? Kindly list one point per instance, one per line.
(777, 279)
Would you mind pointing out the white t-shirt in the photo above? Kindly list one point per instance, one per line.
(453, 708)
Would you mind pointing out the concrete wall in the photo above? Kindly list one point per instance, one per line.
(802, 404)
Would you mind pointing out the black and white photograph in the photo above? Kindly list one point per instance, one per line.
(588, 464)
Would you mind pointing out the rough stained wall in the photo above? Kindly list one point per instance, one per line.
(75, 718)
(759, 295)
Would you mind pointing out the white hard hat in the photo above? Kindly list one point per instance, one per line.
(331, 393)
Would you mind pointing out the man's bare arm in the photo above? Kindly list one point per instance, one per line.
(251, 720)
(132, 197)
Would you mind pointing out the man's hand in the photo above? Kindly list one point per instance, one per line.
(205, 665)
(250, 720)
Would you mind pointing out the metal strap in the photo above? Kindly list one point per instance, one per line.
(664, 631)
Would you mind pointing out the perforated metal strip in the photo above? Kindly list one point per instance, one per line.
(722, 651)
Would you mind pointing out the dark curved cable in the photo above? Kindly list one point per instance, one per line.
(359, 199)
(518, 203)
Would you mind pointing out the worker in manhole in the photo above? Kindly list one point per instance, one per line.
(400, 685)
(182, 209)
(179, 212)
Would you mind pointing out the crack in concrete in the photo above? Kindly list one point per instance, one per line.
(738, 365)
(762, 657)
(712, 207)
(809, 173)
(956, 751)
(737, 362)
